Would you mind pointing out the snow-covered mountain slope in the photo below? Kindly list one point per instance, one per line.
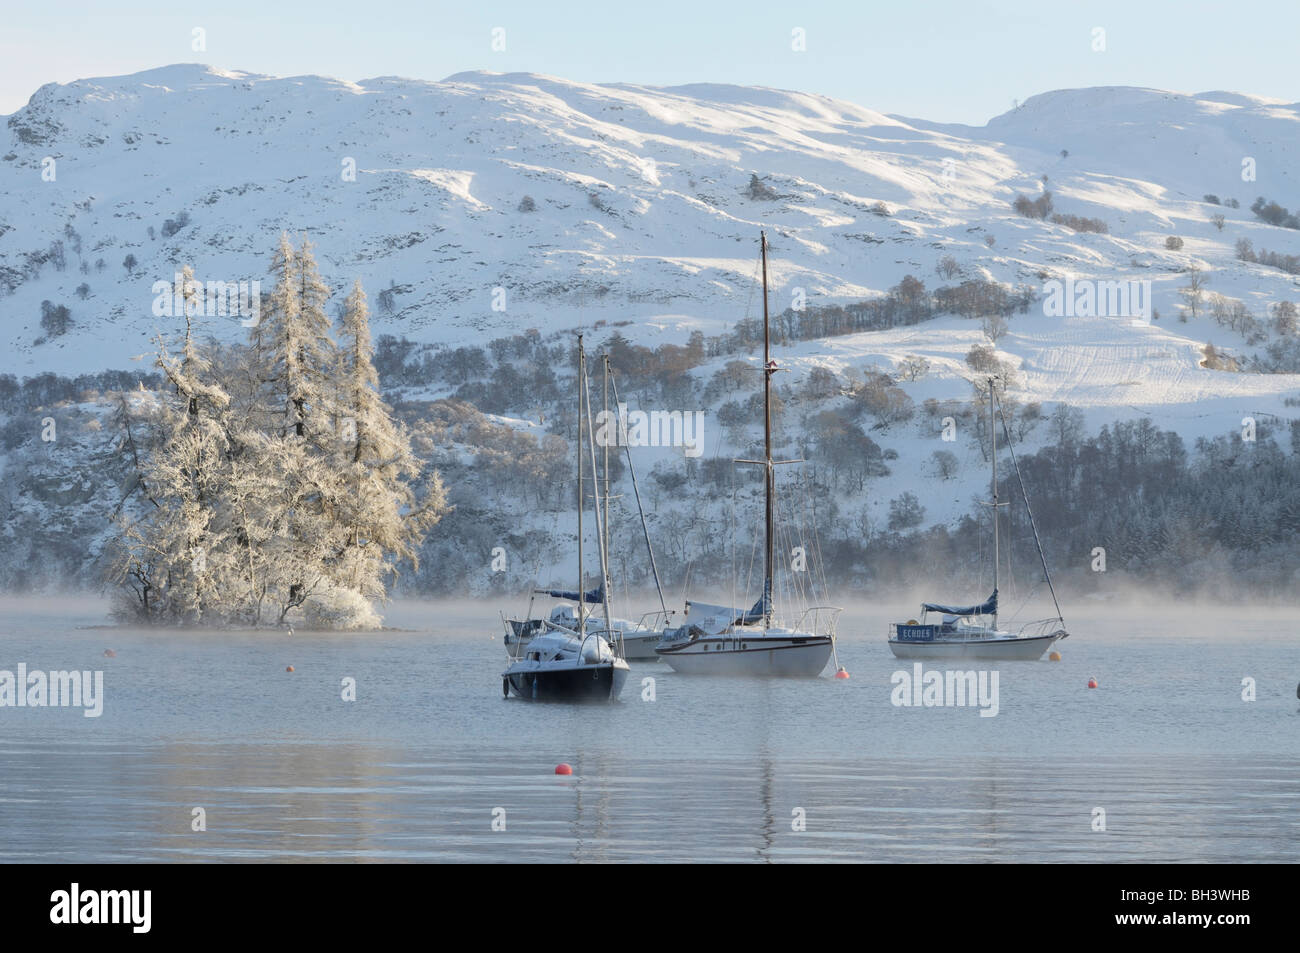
(639, 213)
(642, 211)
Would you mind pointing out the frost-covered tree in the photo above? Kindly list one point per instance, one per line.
(176, 548)
(375, 468)
(1193, 293)
(292, 365)
(304, 531)
(1285, 318)
(292, 346)
(275, 481)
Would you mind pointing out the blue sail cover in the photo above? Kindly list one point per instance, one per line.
(988, 607)
(591, 595)
(762, 609)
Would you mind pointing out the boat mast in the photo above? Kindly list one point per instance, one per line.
(768, 370)
(605, 524)
(582, 369)
(602, 534)
(993, 456)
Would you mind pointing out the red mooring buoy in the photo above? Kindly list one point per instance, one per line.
(563, 769)
(842, 673)
(288, 668)
(1092, 683)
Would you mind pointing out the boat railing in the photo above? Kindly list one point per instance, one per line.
(926, 632)
(615, 646)
(824, 620)
(1040, 627)
(655, 621)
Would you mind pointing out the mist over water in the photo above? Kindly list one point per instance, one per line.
(1183, 767)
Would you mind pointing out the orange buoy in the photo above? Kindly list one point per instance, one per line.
(1054, 657)
(109, 653)
(1092, 683)
(288, 668)
(563, 768)
(842, 673)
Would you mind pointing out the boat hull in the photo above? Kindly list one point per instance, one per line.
(595, 683)
(641, 648)
(1026, 649)
(792, 658)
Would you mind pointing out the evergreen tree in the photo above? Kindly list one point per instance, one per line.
(292, 345)
(294, 360)
(375, 467)
(177, 548)
(275, 481)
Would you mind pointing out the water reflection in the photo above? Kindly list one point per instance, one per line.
(710, 771)
(314, 802)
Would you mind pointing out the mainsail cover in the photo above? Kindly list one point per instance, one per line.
(716, 618)
(596, 595)
(988, 607)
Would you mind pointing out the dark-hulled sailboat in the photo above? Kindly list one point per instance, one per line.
(569, 659)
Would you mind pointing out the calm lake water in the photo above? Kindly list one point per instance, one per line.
(429, 753)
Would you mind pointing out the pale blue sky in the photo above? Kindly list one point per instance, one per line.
(953, 61)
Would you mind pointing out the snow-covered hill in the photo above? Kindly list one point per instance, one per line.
(642, 210)
(633, 205)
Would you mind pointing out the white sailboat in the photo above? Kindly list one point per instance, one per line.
(972, 631)
(572, 660)
(725, 640)
(640, 638)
